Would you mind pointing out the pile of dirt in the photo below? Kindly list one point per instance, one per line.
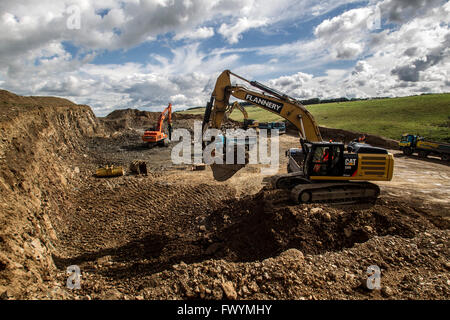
(9, 101)
(332, 275)
(127, 119)
(183, 116)
(346, 136)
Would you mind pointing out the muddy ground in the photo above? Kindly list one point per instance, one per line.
(179, 234)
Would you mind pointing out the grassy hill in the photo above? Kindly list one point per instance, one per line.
(427, 115)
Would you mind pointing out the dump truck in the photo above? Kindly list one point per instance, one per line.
(411, 144)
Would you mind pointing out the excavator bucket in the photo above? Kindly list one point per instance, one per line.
(109, 171)
(223, 172)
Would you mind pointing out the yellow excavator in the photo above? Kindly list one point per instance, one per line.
(321, 171)
(248, 123)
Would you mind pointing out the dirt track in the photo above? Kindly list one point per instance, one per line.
(178, 234)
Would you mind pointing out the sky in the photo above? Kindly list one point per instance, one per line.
(143, 54)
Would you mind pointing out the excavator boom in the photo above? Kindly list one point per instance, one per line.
(167, 112)
(271, 100)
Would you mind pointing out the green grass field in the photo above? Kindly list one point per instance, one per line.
(427, 115)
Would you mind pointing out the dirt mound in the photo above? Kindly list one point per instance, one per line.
(130, 114)
(10, 99)
(268, 224)
(347, 136)
(183, 116)
(124, 119)
(333, 275)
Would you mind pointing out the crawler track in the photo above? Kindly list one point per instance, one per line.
(305, 191)
(349, 192)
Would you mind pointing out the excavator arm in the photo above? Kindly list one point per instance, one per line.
(247, 122)
(234, 106)
(271, 100)
(156, 134)
(166, 113)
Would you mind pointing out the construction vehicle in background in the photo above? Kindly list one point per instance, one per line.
(324, 172)
(156, 135)
(109, 171)
(248, 123)
(280, 126)
(410, 144)
(251, 123)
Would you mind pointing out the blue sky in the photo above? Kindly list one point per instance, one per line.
(145, 53)
(291, 31)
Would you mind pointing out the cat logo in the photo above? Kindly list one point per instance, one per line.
(350, 162)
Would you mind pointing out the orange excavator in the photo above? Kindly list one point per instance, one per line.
(156, 135)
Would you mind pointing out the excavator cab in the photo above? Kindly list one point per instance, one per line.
(324, 159)
(407, 140)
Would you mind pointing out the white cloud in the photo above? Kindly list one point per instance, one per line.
(234, 31)
(145, 86)
(116, 24)
(405, 59)
(200, 33)
(404, 10)
(344, 24)
(251, 14)
(416, 51)
(349, 51)
(305, 86)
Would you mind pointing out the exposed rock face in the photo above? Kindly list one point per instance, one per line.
(41, 141)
